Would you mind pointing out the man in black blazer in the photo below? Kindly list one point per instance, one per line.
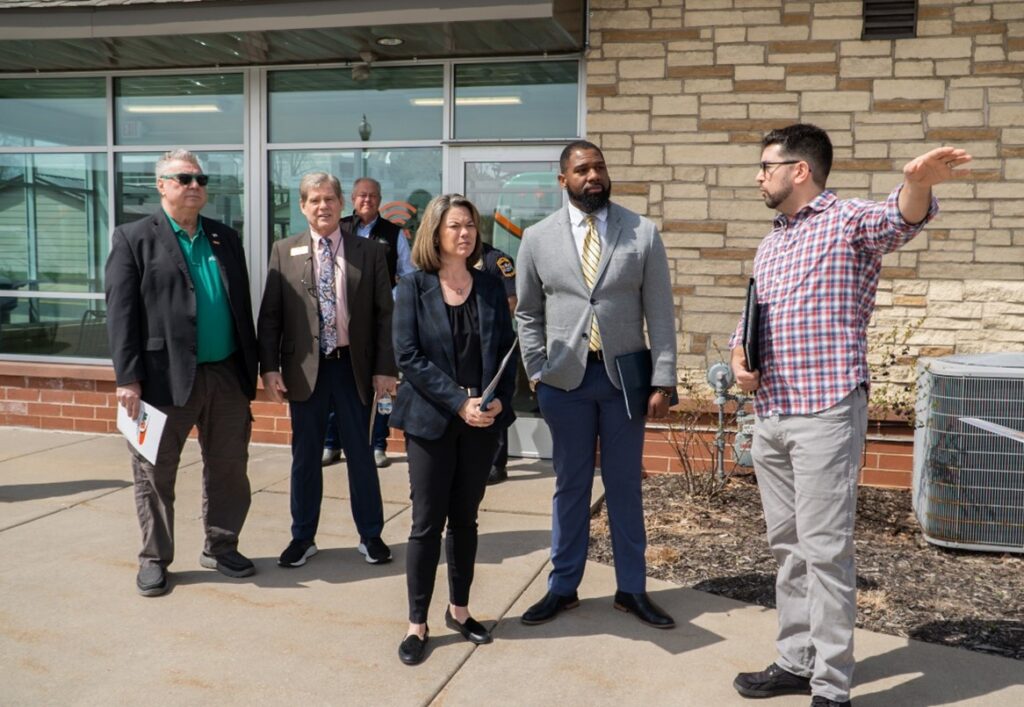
(325, 344)
(179, 320)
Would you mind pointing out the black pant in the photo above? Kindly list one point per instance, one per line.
(447, 478)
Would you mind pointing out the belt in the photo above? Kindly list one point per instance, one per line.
(593, 356)
(471, 392)
(339, 352)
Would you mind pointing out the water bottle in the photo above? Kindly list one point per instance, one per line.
(384, 405)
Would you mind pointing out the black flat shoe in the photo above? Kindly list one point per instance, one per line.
(472, 630)
(548, 607)
(644, 609)
(413, 649)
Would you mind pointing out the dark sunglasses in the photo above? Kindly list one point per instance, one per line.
(185, 178)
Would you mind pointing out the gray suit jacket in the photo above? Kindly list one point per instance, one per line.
(633, 287)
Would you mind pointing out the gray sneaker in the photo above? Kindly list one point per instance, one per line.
(151, 581)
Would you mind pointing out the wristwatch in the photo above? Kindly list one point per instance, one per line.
(665, 391)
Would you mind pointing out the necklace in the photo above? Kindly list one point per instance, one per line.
(455, 288)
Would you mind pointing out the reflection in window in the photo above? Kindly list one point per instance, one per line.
(53, 221)
(409, 179)
(204, 109)
(328, 105)
(516, 100)
(137, 195)
(53, 326)
(53, 112)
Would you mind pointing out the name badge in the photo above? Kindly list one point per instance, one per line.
(300, 250)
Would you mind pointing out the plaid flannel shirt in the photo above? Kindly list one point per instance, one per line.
(816, 276)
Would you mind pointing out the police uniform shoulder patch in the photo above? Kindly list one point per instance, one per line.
(507, 267)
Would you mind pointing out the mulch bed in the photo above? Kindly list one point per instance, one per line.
(907, 587)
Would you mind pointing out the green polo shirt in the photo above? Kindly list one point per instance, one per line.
(215, 327)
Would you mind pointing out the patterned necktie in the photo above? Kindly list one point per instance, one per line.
(591, 259)
(325, 293)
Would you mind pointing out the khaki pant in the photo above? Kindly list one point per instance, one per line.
(807, 470)
(220, 410)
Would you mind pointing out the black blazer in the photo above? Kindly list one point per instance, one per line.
(429, 398)
(151, 308)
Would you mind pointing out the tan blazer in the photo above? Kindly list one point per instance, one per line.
(288, 326)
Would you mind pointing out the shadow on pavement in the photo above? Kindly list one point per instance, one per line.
(598, 617)
(33, 492)
(344, 565)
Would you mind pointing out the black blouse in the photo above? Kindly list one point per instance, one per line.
(465, 325)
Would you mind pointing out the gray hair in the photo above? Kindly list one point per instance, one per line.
(175, 156)
(368, 180)
(315, 180)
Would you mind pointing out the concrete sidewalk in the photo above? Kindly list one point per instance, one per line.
(74, 631)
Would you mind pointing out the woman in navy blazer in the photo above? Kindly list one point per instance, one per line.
(451, 327)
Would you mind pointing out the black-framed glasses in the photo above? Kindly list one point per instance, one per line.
(185, 178)
(766, 166)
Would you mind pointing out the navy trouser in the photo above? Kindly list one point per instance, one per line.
(335, 390)
(580, 419)
(380, 432)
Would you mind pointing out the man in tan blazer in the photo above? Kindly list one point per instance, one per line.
(324, 331)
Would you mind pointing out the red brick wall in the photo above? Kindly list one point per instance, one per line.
(81, 399)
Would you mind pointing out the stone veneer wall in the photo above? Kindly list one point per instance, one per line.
(679, 94)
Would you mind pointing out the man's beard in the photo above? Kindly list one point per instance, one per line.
(591, 202)
(772, 201)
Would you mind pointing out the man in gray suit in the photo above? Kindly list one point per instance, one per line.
(589, 269)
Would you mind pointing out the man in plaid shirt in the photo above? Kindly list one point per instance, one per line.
(816, 274)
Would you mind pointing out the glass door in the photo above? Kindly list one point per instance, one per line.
(512, 188)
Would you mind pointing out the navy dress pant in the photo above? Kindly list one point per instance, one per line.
(581, 419)
(335, 390)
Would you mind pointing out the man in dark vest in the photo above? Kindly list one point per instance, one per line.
(366, 222)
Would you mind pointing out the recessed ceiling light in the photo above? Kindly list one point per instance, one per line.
(389, 41)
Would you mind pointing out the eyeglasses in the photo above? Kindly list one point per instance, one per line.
(766, 166)
(185, 178)
(375, 197)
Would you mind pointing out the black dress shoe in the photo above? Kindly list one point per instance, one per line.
(472, 630)
(645, 609)
(548, 607)
(413, 649)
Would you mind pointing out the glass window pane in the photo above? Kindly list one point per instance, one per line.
(409, 179)
(135, 184)
(328, 105)
(511, 197)
(204, 109)
(49, 326)
(53, 112)
(53, 222)
(516, 100)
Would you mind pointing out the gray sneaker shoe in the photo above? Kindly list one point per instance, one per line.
(231, 563)
(151, 581)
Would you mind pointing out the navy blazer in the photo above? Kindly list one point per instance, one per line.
(429, 398)
(151, 308)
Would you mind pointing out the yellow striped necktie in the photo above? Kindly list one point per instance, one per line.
(591, 259)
